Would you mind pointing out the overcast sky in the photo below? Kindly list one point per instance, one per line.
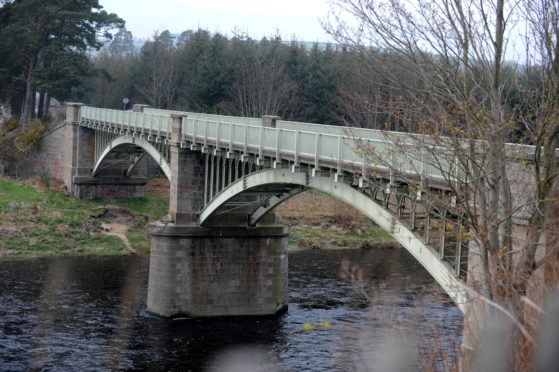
(257, 18)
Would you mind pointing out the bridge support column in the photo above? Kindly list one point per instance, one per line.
(187, 179)
(217, 271)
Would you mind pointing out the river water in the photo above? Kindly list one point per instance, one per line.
(88, 314)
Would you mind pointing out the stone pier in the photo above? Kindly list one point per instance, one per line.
(217, 271)
(225, 269)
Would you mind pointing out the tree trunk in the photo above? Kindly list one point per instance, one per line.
(27, 103)
(46, 109)
(27, 108)
(34, 104)
(41, 105)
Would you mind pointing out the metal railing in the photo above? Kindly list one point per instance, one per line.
(340, 148)
(127, 121)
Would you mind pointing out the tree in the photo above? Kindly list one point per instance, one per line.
(35, 31)
(122, 43)
(167, 39)
(320, 86)
(183, 38)
(114, 78)
(458, 100)
(263, 88)
(158, 73)
(205, 74)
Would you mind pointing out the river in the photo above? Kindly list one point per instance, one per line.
(89, 314)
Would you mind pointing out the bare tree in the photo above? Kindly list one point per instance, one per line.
(367, 98)
(158, 65)
(263, 88)
(460, 104)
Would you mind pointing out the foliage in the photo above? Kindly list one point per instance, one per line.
(17, 145)
(43, 44)
(467, 103)
(206, 72)
(122, 43)
(11, 125)
(45, 178)
(157, 72)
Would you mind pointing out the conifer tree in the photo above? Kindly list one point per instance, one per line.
(37, 35)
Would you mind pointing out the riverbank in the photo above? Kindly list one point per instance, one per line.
(321, 222)
(38, 219)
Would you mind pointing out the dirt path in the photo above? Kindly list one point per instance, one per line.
(119, 230)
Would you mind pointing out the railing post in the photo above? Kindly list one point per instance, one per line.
(442, 235)
(278, 149)
(231, 134)
(137, 107)
(296, 155)
(73, 110)
(316, 150)
(270, 121)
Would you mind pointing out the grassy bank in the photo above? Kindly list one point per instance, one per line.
(320, 222)
(36, 219)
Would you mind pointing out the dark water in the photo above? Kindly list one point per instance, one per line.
(88, 313)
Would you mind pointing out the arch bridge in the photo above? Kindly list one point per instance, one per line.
(219, 252)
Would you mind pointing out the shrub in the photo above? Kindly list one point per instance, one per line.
(44, 177)
(12, 124)
(17, 145)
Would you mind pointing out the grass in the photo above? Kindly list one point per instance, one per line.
(35, 221)
(321, 221)
(39, 222)
(305, 236)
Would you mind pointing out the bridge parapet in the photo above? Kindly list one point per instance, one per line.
(320, 146)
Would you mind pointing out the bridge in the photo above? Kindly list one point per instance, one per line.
(219, 251)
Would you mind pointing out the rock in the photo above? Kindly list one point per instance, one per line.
(367, 246)
(106, 227)
(308, 243)
(388, 245)
(97, 212)
(303, 243)
(167, 218)
(315, 244)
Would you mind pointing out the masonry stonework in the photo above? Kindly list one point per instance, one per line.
(49, 156)
(218, 271)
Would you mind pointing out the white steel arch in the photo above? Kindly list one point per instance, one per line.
(130, 140)
(414, 244)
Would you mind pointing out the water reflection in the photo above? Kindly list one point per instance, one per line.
(89, 314)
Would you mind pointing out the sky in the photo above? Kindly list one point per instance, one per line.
(299, 19)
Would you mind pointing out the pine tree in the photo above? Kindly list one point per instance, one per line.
(39, 34)
(122, 43)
